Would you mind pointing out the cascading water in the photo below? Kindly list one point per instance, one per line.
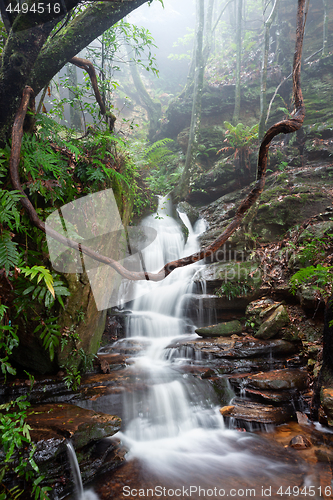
(80, 493)
(172, 424)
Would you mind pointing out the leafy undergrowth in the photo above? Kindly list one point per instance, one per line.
(299, 260)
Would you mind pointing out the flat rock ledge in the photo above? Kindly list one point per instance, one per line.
(251, 415)
(52, 425)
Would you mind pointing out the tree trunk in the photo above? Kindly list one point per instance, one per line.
(235, 118)
(182, 189)
(153, 108)
(74, 109)
(263, 86)
(325, 29)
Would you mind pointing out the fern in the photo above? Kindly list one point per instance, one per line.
(318, 276)
(73, 149)
(50, 334)
(9, 256)
(157, 152)
(9, 213)
(240, 136)
(40, 156)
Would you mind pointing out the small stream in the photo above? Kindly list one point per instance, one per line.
(172, 427)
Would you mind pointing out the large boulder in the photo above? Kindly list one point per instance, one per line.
(273, 324)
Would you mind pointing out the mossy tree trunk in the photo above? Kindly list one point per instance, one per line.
(263, 76)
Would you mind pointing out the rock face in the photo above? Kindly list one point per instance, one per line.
(221, 329)
(289, 198)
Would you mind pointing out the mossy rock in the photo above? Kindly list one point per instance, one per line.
(225, 329)
(273, 324)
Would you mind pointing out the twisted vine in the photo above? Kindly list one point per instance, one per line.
(288, 126)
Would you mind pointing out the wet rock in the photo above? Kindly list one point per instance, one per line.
(302, 419)
(308, 297)
(300, 442)
(268, 396)
(225, 347)
(236, 273)
(273, 324)
(191, 212)
(71, 421)
(207, 303)
(248, 411)
(326, 398)
(51, 426)
(225, 329)
(279, 380)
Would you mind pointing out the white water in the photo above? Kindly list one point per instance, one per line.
(172, 423)
(80, 493)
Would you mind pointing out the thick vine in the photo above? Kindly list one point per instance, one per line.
(283, 127)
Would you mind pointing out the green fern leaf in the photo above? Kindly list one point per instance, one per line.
(9, 256)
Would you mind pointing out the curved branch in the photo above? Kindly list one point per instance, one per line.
(284, 127)
(89, 68)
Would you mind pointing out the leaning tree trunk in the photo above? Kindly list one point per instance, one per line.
(235, 118)
(263, 85)
(181, 191)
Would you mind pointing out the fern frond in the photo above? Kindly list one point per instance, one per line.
(9, 256)
(320, 276)
(9, 213)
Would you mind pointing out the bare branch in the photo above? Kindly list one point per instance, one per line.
(89, 68)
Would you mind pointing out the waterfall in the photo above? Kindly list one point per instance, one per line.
(172, 423)
(80, 493)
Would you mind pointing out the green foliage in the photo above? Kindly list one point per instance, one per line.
(241, 136)
(157, 153)
(50, 334)
(42, 274)
(9, 213)
(282, 165)
(8, 341)
(319, 277)
(231, 290)
(14, 435)
(13, 428)
(313, 250)
(77, 362)
(9, 256)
